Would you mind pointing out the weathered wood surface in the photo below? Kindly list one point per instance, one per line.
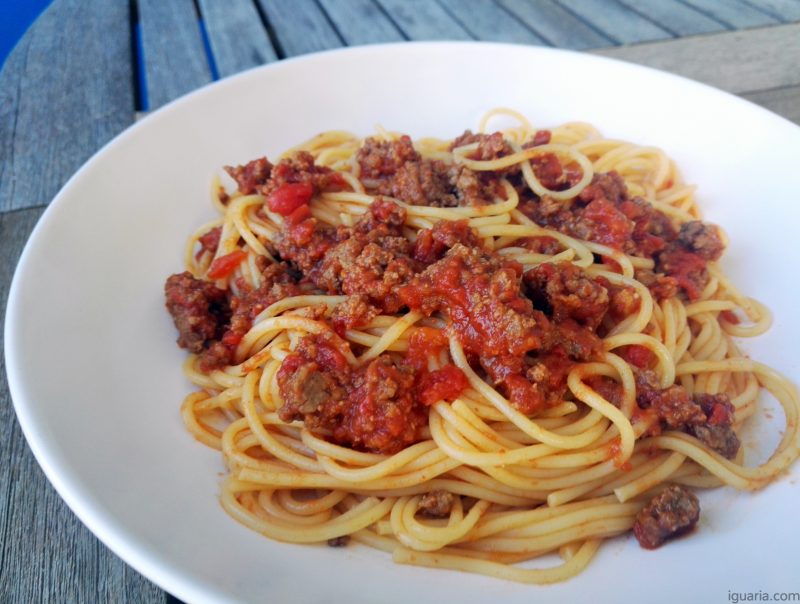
(237, 35)
(172, 46)
(74, 81)
(46, 554)
(59, 107)
(739, 62)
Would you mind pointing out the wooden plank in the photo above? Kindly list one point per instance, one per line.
(174, 57)
(783, 10)
(237, 37)
(783, 101)
(424, 20)
(735, 13)
(46, 554)
(486, 20)
(676, 17)
(300, 26)
(616, 21)
(65, 90)
(740, 61)
(555, 24)
(361, 21)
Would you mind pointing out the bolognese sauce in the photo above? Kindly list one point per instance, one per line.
(432, 336)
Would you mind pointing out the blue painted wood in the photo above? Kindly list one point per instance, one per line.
(300, 26)
(556, 25)
(174, 58)
(236, 35)
(361, 21)
(616, 21)
(487, 20)
(676, 17)
(734, 13)
(424, 20)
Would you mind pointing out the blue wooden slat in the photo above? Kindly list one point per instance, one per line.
(734, 13)
(361, 21)
(424, 20)
(678, 18)
(616, 21)
(300, 26)
(237, 36)
(487, 20)
(555, 24)
(174, 56)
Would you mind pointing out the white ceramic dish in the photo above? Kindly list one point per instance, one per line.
(95, 374)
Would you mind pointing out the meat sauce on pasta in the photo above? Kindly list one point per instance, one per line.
(494, 348)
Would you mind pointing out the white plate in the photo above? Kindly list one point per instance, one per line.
(95, 374)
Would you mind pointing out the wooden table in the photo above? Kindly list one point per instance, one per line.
(88, 68)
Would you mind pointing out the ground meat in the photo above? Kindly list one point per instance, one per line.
(315, 374)
(370, 408)
(661, 286)
(701, 239)
(397, 170)
(575, 341)
(490, 146)
(525, 354)
(354, 312)
(542, 245)
(300, 167)
(604, 213)
(436, 504)
(277, 283)
(601, 221)
(473, 188)
(671, 513)
(382, 214)
(339, 541)
(541, 137)
(375, 260)
(198, 308)
(252, 176)
(552, 174)
(383, 158)
(548, 374)
(622, 300)
(717, 432)
(209, 242)
(673, 406)
(606, 387)
(593, 215)
(721, 439)
(432, 244)
(686, 268)
(421, 183)
(652, 230)
(481, 294)
(605, 185)
(564, 291)
(305, 243)
(707, 417)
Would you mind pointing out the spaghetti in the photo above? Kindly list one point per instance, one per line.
(470, 353)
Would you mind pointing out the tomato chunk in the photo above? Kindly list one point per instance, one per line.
(289, 197)
(446, 383)
(225, 265)
(638, 355)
